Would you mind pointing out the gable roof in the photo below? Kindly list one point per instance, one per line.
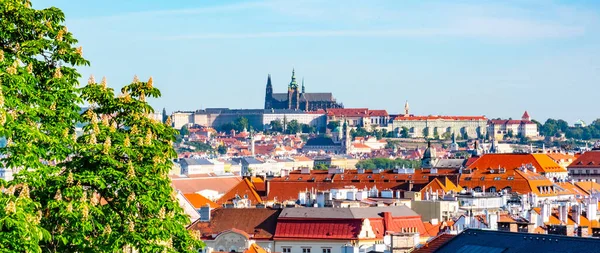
(541, 162)
(589, 159)
(197, 184)
(260, 223)
(347, 213)
(244, 189)
(434, 244)
(198, 201)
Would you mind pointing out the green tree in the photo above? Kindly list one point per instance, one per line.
(95, 193)
(321, 166)
(294, 127)
(333, 124)
(164, 115)
(276, 126)
(241, 123)
(222, 149)
(184, 130)
(446, 135)
(404, 132)
(436, 135)
(308, 129)
(426, 132)
(510, 133)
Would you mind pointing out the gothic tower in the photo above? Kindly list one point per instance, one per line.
(269, 94)
(406, 108)
(293, 93)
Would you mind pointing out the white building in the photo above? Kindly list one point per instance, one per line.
(314, 119)
(524, 127)
(429, 126)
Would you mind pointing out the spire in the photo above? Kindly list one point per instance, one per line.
(302, 85)
(269, 85)
(293, 83)
(526, 116)
(406, 108)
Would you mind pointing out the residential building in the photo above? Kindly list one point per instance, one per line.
(180, 119)
(362, 117)
(193, 166)
(520, 173)
(524, 127)
(586, 166)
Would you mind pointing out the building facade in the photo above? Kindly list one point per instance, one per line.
(297, 99)
(431, 126)
(525, 127)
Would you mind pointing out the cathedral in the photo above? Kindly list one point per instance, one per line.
(297, 99)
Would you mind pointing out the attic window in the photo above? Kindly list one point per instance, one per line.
(467, 178)
(496, 178)
(591, 163)
(300, 178)
(369, 176)
(287, 178)
(510, 178)
(424, 176)
(482, 178)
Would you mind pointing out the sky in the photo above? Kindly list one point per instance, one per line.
(492, 58)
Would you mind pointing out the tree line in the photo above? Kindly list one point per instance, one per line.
(386, 163)
(556, 128)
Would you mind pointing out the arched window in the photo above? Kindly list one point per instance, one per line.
(477, 189)
(507, 189)
(491, 189)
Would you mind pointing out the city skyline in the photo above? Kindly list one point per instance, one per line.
(467, 58)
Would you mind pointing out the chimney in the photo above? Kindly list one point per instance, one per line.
(388, 221)
(545, 212)
(205, 213)
(563, 214)
(576, 214)
(267, 187)
(592, 209)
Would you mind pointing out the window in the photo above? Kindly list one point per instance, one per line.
(482, 179)
(510, 178)
(305, 250)
(497, 179)
(326, 250)
(286, 249)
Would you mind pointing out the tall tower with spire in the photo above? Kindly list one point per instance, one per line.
(269, 94)
(293, 93)
(406, 108)
(303, 85)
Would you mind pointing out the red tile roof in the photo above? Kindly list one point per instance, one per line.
(258, 222)
(378, 113)
(589, 159)
(510, 122)
(438, 117)
(348, 112)
(347, 229)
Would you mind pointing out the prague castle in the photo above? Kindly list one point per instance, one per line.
(297, 99)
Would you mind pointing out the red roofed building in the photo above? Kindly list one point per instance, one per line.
(586, 166)
(359, 116)
(429, 126)
(524, 127)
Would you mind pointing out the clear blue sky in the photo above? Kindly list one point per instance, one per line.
(493, 58)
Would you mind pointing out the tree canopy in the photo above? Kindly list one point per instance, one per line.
(386, 163)
(104, 191)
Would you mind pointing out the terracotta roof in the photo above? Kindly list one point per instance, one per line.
(434, 244)
(258, 222)
(254, 248)
(525, 115)
(348, 112)
(361, 146)
(193, 185)
(558, 157)
(589, 159)
(378, 113)
(244, 189)
(438, 117)
(541, 162)
(198, 201)
(588, 186)
(318, 228)
(442, 187)
(510, 122)
(573, 189)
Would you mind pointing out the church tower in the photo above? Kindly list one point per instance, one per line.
(269, 94)
(293, 93)
(406, 108)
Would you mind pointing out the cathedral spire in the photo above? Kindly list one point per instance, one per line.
(302, 85)
(293, 83)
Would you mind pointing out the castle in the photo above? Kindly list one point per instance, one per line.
(298, 99)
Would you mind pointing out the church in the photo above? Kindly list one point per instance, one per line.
(297, 99)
